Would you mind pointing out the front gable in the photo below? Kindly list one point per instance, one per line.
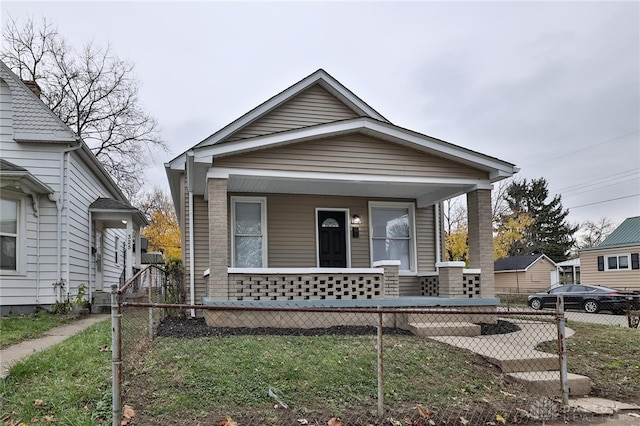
(314, 105)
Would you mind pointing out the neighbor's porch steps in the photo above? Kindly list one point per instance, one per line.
(100, 302)
(514, 353)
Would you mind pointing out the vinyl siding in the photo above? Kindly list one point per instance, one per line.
(201, 242)
(22, 112)
(536, 278)
(292, 229)
(310, 107)
(83, 189)
(623, 280)
(355, 154)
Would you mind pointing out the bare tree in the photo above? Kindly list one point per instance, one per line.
(93, 91)
(592, 233)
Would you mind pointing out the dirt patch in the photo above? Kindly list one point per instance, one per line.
(192, 328)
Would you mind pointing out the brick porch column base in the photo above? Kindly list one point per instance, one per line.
(450, 279)
(391, 277)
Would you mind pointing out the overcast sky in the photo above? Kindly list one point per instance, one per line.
(553, 87)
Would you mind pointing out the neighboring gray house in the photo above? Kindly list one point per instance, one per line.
(615, 261)
(313, 195)
(63, 221)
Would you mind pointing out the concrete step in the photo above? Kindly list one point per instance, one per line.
(459, 315)
(548, 382)
(444, 329)
(523, 360)
(101, 302)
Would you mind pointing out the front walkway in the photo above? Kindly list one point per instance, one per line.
(14, 353)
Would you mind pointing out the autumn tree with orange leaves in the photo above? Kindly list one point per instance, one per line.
(163, 232)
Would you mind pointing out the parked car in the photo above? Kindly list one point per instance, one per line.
(591, 298)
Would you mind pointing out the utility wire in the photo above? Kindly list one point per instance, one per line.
(604, 179)
(557, 157)
(572, 193)
(604, 201)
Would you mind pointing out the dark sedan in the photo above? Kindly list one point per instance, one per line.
(591, 298)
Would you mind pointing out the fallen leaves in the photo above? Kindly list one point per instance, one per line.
(227, 421)
(334, 421)
(128, 413)
(500, 419)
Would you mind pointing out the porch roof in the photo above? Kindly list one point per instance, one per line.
(114, 212)
(199, 165)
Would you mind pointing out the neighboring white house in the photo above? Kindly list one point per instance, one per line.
(63, 221)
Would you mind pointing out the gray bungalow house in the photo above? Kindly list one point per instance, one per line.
(64, 223)
(315, 197)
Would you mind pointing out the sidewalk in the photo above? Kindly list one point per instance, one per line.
(11, 354)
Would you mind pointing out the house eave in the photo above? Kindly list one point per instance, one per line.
(497, 169)
(611, 247)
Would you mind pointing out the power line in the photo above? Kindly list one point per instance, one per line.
(604, 179)
(604, 201)
(557, 157)
(572, 193)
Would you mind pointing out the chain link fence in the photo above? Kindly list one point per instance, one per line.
(297, 364)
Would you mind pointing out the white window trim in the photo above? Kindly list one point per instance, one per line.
(617, 256)
(413, 246)
(21, 237)
(263, 225)
(347, 231)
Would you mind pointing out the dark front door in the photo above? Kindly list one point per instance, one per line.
(332, 242)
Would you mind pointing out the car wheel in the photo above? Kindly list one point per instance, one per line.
(536, 303)
(591, 306)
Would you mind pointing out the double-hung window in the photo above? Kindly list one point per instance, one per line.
(9, 238)
(618, 262)
(393, 233)
(249, 232)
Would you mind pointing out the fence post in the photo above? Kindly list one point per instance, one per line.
(150, 333)
(562, 350)
(380, 369)
(116, 362)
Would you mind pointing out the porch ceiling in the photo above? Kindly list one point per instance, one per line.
(427, 193)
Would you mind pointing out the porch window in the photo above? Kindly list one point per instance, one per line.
(392, 233)
(9, 210)
(249, 232)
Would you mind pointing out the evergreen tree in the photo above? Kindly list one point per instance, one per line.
(549, 233)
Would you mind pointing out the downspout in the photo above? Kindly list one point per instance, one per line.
(192, 270)
(89, 260)
(60, 206)
(438, 242)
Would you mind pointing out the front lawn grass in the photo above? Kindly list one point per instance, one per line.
(606, 354)
(17, 328)
(68, 384)
(192, 378)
